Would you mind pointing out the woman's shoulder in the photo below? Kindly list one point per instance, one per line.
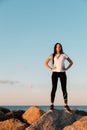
(65, 55)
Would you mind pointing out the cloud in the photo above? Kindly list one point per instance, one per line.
(9, 82)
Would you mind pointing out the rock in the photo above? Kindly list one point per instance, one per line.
(40, 120)
(15, 114)
(80, 113)
(4, 110)
(2, 116)
(33, 114)
(55, 120)
(78, 125)
(12, 124)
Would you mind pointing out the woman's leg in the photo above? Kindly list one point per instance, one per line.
(54, 86)
(63, 80)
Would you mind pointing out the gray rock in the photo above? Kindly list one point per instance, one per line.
(56, 120)
(53, 120)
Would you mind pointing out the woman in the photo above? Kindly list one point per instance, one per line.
(58, 71)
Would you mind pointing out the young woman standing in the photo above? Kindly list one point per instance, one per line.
(59, 71)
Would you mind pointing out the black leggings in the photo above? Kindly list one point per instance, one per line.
(63, 80)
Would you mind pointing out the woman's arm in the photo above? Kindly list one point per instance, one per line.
(70, 64)
(47, 62)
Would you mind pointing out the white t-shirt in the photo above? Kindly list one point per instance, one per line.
(59, 62)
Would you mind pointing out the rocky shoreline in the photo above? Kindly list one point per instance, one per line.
(36, 119)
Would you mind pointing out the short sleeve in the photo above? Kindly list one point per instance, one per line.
(66, 56)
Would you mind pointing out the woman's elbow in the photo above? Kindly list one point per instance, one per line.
(45, 63)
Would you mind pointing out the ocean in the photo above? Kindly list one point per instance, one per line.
(44, 108)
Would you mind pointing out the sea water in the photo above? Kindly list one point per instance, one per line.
(44, 108)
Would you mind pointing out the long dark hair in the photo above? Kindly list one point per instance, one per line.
(54, 53)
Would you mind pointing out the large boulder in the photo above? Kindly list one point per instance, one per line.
(32, 114)
(56, 120)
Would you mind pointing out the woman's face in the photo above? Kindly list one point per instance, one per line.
(58, 48)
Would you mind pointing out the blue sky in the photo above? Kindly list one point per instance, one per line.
(28, 31)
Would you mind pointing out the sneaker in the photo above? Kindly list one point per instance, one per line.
(67, 108)
(51, 107)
